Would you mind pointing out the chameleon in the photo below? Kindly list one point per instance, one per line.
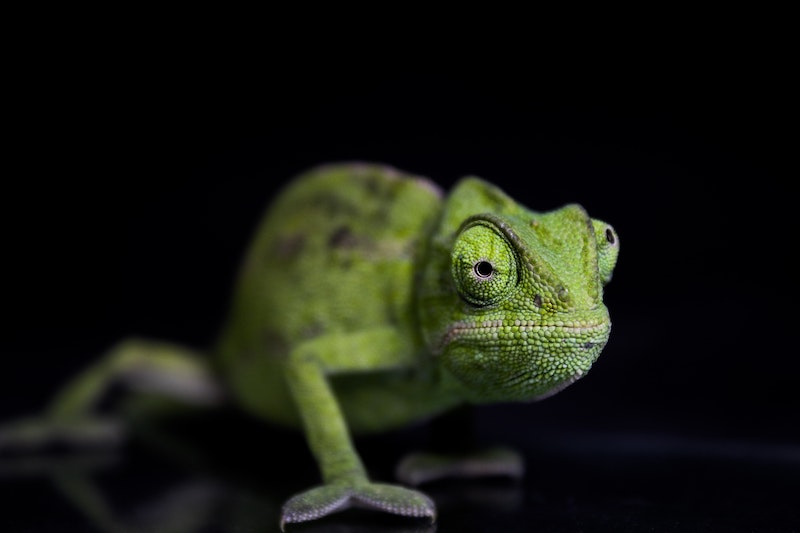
(370, 299)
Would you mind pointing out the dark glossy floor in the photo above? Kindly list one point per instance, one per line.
(235, 477)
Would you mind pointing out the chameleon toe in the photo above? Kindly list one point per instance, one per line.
(396, 500)
(315, 503)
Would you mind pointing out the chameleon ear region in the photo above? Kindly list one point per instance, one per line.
(484, 265)
(607, 249)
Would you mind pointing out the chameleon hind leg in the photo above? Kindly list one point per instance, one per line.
(345, 479)
(424, 467)
(72, 417)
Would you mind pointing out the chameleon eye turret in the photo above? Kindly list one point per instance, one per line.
(607, 249)
(484, 264)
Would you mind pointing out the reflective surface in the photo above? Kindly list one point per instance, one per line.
(234, 479)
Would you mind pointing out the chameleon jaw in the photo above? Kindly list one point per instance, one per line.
(496, 329)
(520, 360)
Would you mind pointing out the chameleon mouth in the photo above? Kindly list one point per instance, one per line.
(596, 331)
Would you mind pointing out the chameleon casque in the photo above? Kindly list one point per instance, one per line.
(368, 300)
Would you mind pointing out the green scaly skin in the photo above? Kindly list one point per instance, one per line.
(369, 300)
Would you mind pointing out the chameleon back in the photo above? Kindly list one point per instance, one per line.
(335, 253)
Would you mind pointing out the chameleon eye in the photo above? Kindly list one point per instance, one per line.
(484, 265)
(607, 249)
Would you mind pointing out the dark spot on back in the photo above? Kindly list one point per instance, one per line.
(333, 206)
(342, 237)
(290, 246)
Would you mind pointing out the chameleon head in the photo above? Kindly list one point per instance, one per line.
(511, 299)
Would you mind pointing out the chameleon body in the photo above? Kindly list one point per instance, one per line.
(368, 300)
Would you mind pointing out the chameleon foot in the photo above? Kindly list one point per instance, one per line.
(418, 468)
(326, 499)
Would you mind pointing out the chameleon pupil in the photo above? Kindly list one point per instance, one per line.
(610, 236)
(483, 269)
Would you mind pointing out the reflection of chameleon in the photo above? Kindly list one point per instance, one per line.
(369, 300)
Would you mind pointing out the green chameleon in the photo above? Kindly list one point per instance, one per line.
(369, 300)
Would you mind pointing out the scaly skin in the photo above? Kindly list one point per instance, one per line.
(369, 300)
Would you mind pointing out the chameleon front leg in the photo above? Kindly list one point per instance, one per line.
(346, 483)
(72, 416)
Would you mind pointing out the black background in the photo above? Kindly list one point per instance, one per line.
(137, 176)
